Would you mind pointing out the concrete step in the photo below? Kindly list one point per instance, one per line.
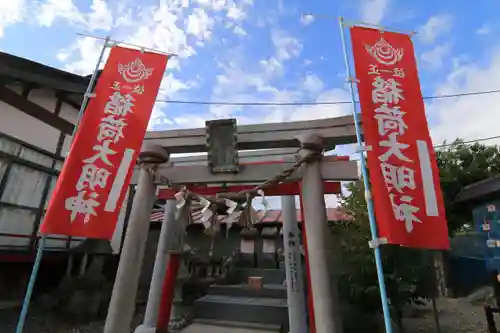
(250, 327)
(203, 328)
(269, 276)
(243, 290)
(270, 311)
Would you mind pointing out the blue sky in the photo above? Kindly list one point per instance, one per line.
(269, 51)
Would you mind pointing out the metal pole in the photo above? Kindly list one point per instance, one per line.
(160, 265)
(293, 267)
(122, 304)
(369, 201)
(31, 285)
(88, 92)
(325, 298)
(43, 239)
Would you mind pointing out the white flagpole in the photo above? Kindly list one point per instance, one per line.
(43, 238)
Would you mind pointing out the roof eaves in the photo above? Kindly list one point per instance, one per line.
(32, 72)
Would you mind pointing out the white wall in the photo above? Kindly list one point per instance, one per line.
(27, 128)
(70, 114)
(44, 97)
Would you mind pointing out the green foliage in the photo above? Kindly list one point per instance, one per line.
(407, 271)
(461, 165)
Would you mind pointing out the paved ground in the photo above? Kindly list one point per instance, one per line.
(456, 316)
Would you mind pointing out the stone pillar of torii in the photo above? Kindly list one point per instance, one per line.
(223, 141)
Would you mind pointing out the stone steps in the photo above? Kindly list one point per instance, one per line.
(244, 310)
(249, 327)
(269, 276)
(243, 290)
(204, 328)
(241, 306)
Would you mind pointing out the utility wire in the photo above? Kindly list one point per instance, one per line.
(468, 142)
(454, 143)
(474, 93)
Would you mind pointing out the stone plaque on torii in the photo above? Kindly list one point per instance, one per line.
(223, 140)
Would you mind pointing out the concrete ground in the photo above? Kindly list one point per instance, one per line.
(202, 328)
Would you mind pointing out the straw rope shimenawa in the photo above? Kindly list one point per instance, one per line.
(218, 205)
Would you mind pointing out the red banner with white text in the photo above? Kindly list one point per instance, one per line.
(401, 160)
(91, 188)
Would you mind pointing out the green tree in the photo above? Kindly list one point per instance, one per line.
(407, 271)
(460, 165)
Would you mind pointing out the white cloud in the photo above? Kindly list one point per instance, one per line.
(434, 58)
(324, 111)
(215, 5)
(99, 16)
(158, 28)
(239, 31)
(170, 26)
(11, 12)
(469, 117)
(158, 120)
(306, 19)
(235, 13)
(435, 27)
(190, 121)
(170, 86)
(199, 24)
(87, 53)
(271, 67)
(312, 83)
(374, 11)
(286, 46)
(52, 9)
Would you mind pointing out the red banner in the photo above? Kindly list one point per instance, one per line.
(91, 187)
(401, 160)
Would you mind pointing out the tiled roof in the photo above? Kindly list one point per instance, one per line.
(479, 189)
(333, 214)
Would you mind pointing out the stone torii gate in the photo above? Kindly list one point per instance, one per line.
(222, 139)
(159, 306)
